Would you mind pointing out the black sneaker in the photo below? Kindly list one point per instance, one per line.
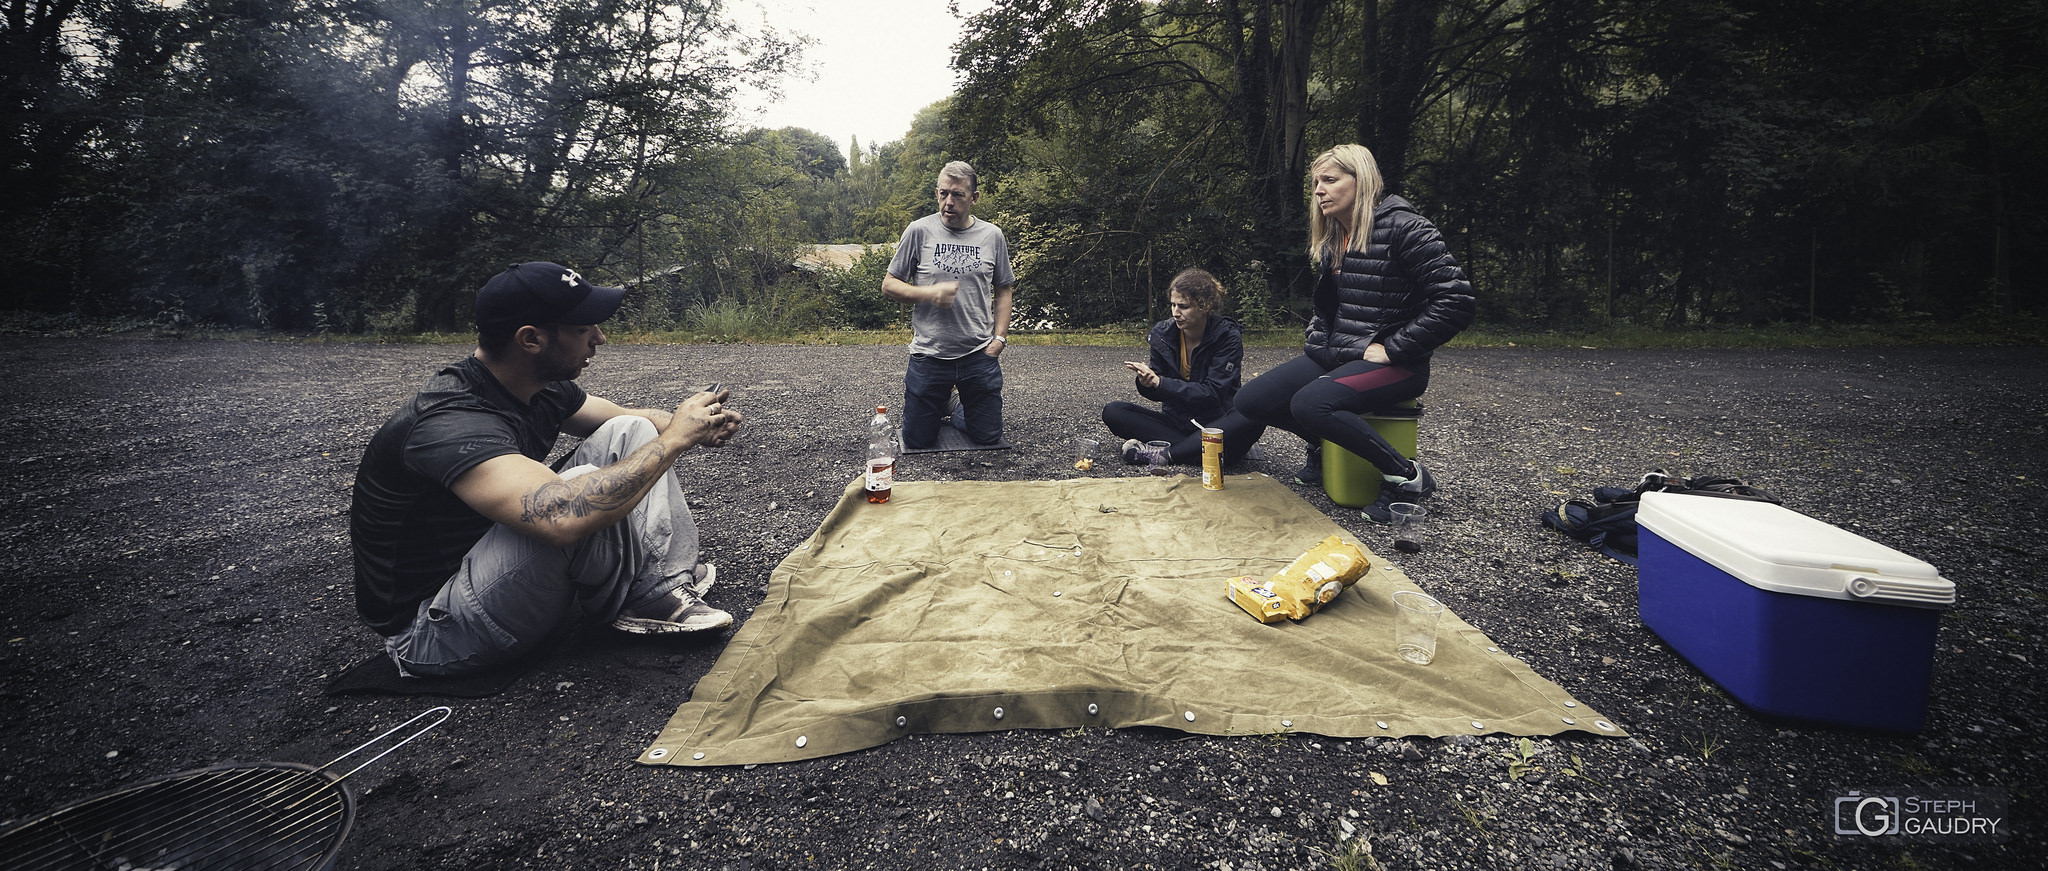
(1311, 473)
(1412, 491)
(1134, 452)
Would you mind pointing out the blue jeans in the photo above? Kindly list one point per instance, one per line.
(512, 591)
(928, 382)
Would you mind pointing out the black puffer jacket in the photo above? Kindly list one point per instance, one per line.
(1405, 292)
(1210, 391)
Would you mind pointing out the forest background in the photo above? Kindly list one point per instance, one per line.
(360, 166)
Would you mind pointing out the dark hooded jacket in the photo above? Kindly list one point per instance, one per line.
(1217, 367)
(1405, 291)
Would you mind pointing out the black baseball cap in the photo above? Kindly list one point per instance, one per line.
(544, 293)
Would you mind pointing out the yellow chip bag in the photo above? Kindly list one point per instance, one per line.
(1305, 585)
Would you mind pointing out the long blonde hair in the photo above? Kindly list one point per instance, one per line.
(1357, 162)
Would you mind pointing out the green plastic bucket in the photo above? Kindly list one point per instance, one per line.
(1352, 482)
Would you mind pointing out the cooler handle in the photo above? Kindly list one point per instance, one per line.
(1916, 595)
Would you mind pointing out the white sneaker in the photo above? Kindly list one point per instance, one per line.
(679, 613)
(701, 579)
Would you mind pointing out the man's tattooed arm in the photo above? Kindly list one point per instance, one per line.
(614, 487)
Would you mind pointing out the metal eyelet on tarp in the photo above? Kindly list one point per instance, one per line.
(801, 740)
(1092, 709)
(1476, 725)
(999, 713)
(657, 753)
(1382, 724)
(697, 755)
(1190, 715)
(902, 722)
(1604, 725)
(1570, 722)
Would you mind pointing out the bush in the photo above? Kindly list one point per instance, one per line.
(856, 293)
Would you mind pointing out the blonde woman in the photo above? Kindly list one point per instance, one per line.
(1389, 295)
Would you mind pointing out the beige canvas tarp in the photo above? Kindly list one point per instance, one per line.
(974, 606)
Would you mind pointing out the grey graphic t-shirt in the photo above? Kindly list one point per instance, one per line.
(977, 257)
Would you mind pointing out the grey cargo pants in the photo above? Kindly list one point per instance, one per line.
(512, 592)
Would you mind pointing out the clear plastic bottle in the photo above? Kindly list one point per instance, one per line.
(881, 475)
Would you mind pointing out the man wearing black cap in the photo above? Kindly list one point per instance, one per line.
(469, 551)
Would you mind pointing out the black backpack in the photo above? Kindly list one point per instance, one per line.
(1608, 520)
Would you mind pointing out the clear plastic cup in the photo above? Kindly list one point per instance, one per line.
(1410, 525)
(1156, 456)
(1415, 622)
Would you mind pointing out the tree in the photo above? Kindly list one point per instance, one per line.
(805, 169)
(806, 151)
(1111, 58)
(73, 74)
(330, 160)
(554, 122)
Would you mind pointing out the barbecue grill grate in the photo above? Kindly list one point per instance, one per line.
(263, 815)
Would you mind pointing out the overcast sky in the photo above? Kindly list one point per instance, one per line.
(877, 63)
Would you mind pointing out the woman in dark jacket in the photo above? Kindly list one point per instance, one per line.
(1196, 367)
(1390, 293)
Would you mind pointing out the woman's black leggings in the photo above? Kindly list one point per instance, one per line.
(1130, 420)
(1303, 398)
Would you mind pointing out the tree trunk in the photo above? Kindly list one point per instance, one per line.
(440, 297)
(2001, 255)
(1298, 19)
(1395, 67)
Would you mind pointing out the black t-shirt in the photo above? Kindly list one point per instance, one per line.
(408, 529)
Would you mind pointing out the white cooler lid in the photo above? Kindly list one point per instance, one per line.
(1774, 548)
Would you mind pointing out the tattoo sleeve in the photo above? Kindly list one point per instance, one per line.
(618, 485)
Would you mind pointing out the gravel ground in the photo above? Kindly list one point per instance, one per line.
(175, 560)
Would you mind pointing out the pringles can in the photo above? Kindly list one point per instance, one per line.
(1212, 458)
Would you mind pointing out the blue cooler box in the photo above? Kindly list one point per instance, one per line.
(1792, 616)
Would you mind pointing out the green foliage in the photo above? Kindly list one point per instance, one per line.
(1706, 746)
(1578, 769)
(307, 165)
(1521, 760)
(1597, 165)
(1592, 163)
(1353, 853)
(1129, 148)
(806, 151)
(1476, 817)
(856, 293)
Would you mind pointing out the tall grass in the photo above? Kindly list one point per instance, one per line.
(728, 320)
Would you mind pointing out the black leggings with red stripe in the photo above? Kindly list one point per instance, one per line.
(1303, 398)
